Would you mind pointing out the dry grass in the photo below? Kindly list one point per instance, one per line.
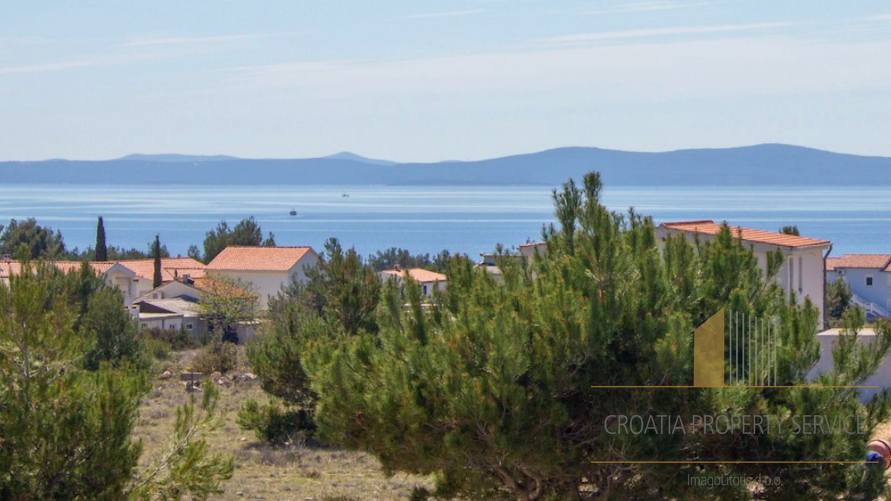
(261, 472)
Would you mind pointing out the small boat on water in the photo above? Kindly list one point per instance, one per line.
(346, 195)
(293, 212)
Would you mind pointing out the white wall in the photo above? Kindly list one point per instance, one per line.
(882, 377)
(880, 291)
(268, 283)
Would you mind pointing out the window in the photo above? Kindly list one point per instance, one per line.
(189, 326)
(869, 281)
(425, 290)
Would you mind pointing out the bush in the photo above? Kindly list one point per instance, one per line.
(177, 339)
(274, 425)
(158, 348)
(220, 356)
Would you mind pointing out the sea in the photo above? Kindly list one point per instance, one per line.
(428, 219)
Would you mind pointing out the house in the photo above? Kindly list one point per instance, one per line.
(115, 274)
(802, 270)
(171, 269)
(869, 276)
(266, 268)
(829, 339)
(429, 280)
(169, 313)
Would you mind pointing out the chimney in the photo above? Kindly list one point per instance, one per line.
(187, 279)
(397, 268)
(6, 257)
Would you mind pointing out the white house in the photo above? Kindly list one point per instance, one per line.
(882, 377)
(266, 268)
(802, 270)
(869, 276)
(429, 280)
(172, 268)
(115, 274)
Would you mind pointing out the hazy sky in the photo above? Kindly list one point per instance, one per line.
(425, 81)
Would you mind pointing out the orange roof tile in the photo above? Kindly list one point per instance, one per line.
(709, 227)
(418, 274)
(12, 267)
(171, 267)
(258, 258)
(882, 261)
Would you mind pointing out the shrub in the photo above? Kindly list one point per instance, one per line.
(158, 348)
(177, 339)
(220, 356)
(274, 425)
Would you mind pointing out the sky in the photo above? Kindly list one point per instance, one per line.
(429, 81)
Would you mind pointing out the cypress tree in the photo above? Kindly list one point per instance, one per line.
(156, 253)
(101, 249)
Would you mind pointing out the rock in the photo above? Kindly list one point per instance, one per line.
(243, 439)
(165, 375)
(190, 376)
(223, 382)
(249, 377)
(192, 388)
(239, 493)
(215, 375)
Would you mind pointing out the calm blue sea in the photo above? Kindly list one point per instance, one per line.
(428, 219)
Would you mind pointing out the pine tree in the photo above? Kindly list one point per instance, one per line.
(101, 250)
(497, 390)
(157, 280)
(66, 432)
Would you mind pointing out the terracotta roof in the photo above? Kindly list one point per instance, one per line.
(709, 227)
(418, 274)
(882, 261)
(171, 267)
(13, 267)
(258, 258)
(532, 244)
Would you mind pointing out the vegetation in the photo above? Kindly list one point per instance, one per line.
(157, 279)
(101, 249)
(66, 421)
(39, 242)
(790, 230)
(388, 259)
(246, 232)
(838, 299)
(492, 388)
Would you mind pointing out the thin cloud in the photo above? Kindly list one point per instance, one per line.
(646, 7)
(188, 40)
(72, 64)
(454, 13)
(673, 31)
(880, 17)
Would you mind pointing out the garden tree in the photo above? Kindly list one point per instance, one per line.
(117, 253)
(157, 280)
(838, 299)
(246, 232)
(226, 303)
(790, 230)
(497, 390)
(66, 431)
(41, 242)
(101, 249)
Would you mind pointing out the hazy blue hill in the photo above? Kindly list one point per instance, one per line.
(346, 155)
(766, 164)
(175, 158)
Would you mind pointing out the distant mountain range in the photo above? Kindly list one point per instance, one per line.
(765, 164)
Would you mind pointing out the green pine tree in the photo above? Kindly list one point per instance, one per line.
(492, 388)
